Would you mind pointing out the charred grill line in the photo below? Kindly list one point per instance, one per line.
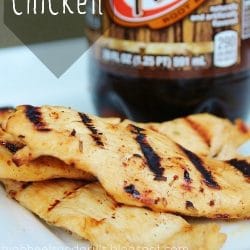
(189, 204)
(153, 160)
(95, 134)
(187, 177)
(73, 132)
(12, 147)
(132, 190)
(35, 116)
(26, 185)
(241, 165)
(211, 203)
(197, 162)
(66, 194)
(201, 131)
(53, 205)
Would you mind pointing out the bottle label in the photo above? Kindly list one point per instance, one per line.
(155, 14)
(246, 19)
(225, 48)
(174, 35)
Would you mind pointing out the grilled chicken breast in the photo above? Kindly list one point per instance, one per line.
(205, 134)
(89, 212)
(136, 166)
(43, 168)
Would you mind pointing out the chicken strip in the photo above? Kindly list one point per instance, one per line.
(43, 168)
(87, 211)
(205, 134)
(146, 167)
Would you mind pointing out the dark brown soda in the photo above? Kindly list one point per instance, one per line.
(152, 99)
(157, 95)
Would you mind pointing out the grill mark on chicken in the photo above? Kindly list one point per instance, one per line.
(12, 147)
(187, 177)
(95, 134)
(241, 165)
(132, 190)
(35, 116)
(73, 132)
(26, 185)
(200, 130)
(53, 205)
(153, 160)
(66, 194)
(197, 162)
(189, 205)
(211, 203)
(187, 185)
